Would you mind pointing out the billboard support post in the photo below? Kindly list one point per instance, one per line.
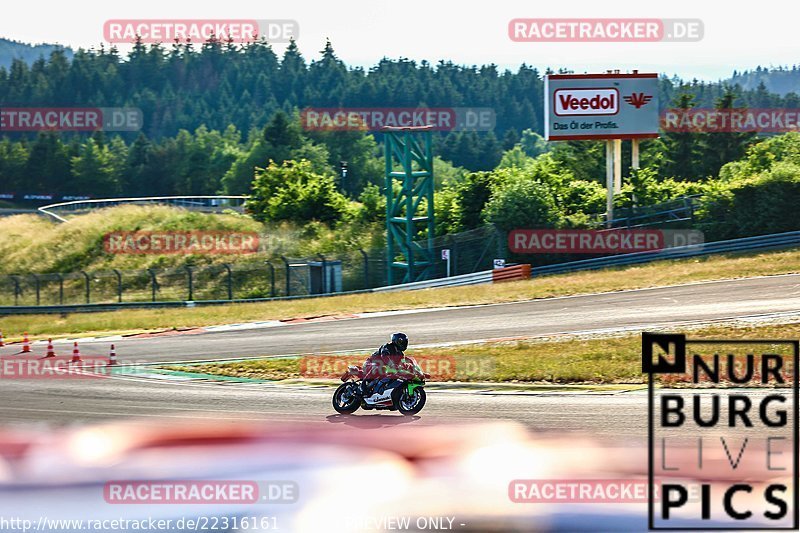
(609, 182)
(635, 154)
(617, 166)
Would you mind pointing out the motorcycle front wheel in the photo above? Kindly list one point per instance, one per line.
(409, 404)
(346, 398)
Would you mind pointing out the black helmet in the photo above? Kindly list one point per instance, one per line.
(400, 340)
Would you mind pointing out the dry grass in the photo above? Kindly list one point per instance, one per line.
(651, 275)
(591, 361)
(30, 243)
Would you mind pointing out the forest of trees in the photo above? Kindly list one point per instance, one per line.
(216, 111)
(780, 80)
(28, 53)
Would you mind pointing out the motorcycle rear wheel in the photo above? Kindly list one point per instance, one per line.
(351, 404)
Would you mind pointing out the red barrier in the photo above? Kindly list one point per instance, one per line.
(511, 273)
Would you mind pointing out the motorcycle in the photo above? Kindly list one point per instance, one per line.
(406, 394)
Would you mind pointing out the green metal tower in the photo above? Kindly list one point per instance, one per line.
(409, 160)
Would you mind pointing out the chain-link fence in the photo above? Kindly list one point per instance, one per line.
(267, 279)
(674, 214)
(353, 270)
(470, 251)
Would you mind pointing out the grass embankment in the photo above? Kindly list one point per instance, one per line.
(32, 243)
(651, 275)
(612, 360)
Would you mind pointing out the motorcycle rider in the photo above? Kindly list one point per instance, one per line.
(387, 362)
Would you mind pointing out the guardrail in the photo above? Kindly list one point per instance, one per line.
(9, 211)
(762, 242)
(509, 273)
(474, 278)
(200, 203)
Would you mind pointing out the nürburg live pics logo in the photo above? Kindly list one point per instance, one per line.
(722, 415)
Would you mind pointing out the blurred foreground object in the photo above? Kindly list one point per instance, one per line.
(351, 473)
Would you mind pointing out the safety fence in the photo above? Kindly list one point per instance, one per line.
(776, 241)
(469, 251)
(356, 271)
(677, 213)
(353, 270)
(226, 281)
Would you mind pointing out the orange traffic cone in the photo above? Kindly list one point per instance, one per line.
(1, 340)
(26, 344)
(76, 354)
(50, 351)
(112, 357)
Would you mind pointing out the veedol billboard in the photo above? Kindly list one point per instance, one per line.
(600, 106)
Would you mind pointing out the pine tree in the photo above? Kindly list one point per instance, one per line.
(683, 147)
(721, 148)
(93, 171)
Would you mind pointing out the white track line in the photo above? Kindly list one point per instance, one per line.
(599, 332)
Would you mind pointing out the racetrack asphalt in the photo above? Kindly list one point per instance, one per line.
(70, 401)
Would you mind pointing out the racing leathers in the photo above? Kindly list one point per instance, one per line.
(388, 362)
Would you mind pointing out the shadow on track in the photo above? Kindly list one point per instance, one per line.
(371, 421)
